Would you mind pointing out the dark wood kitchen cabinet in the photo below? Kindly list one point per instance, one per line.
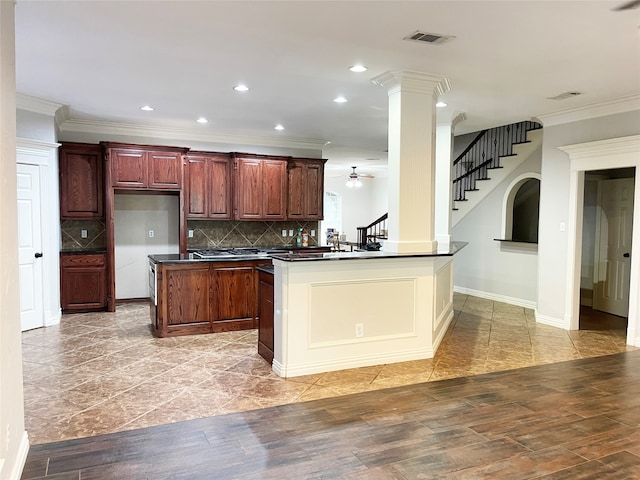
(266, 314)
(205, 297)
(208, 186)
(81, 181)
(305, 191)
(83, 282)
(139, 167)
(260, 188)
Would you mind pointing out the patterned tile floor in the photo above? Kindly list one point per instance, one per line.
(103, 372)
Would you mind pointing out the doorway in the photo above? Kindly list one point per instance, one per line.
(606, 246)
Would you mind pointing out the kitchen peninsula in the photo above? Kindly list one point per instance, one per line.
(334, 311)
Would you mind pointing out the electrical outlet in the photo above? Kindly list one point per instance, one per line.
(291, 233)
(359, 330)
(84, 234)
(151, 233)
(284, 233)
(190, 233)
(313, 233)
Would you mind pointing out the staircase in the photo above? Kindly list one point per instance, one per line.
(483, 157)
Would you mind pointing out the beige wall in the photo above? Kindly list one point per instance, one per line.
(13, 439)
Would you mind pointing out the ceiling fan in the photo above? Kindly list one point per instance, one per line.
(354, 177)
(628, 5)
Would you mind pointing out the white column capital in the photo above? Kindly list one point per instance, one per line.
(415, 82)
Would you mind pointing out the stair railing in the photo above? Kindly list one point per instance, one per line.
(484, 153)
(376, 230)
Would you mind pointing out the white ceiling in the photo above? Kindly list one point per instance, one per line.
(105, 59)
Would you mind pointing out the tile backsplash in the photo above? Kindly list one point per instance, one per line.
(206, 234)
(71, 233)
(229, 233)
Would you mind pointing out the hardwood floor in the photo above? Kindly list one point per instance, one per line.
(578, 419)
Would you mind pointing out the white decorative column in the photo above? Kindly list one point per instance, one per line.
(412, 133)
(444, 179)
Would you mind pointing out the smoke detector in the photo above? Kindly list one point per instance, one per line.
(430, 38)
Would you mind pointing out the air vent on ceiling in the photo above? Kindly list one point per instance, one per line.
(564, 96)
(431, 38)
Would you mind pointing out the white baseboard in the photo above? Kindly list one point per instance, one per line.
(355, 362)
(496, 297)
(443, 330)
(21, 459)
(53, 318)
(551, 321)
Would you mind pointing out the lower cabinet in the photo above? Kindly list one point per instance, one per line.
(265, 309)
(205, 297)
(83, 282)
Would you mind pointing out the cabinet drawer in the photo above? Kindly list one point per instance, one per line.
(83, 260)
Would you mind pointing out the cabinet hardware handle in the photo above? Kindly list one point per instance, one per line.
(626, 255)
(38, 254)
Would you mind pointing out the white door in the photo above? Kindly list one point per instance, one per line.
(611, 290)
(30, 247)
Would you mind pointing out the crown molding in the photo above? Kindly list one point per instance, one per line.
(36, 105)
(411, 81)
(604, 148)
(68, 124)
(610, 107)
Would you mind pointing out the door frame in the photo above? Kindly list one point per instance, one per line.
(601, 155)
(45, 156)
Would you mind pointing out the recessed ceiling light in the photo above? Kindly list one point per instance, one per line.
(441, 104)
(340, 100)
(147, 108)
(279, 127)
(202, 120)
(358, 68)
(241, 88)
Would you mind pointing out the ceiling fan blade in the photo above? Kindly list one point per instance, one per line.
(628, 5)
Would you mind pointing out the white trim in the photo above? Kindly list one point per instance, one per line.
(610, 107)
(36, 105)
(21, 459)
(603, 154)
(551, 321)
(520, 302)
(346, 363)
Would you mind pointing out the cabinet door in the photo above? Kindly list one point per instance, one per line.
(234, 294)
(249, 189)
(274, 189)
(184, 297)
(128, 168)
(219, 188)
(165, 170)
(295, 196)
(314, 190)
(83, 282)
(81, 188)
(266, 314)
(197, 187)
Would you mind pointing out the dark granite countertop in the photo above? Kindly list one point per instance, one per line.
(188, 257)
(454, 248)
(80, 252)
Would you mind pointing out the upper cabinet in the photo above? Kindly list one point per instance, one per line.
(305, 189)
(140, 167)
(208, 186)
(81, 181)
(260, 187)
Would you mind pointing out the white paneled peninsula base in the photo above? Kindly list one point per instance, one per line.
(344, 310)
